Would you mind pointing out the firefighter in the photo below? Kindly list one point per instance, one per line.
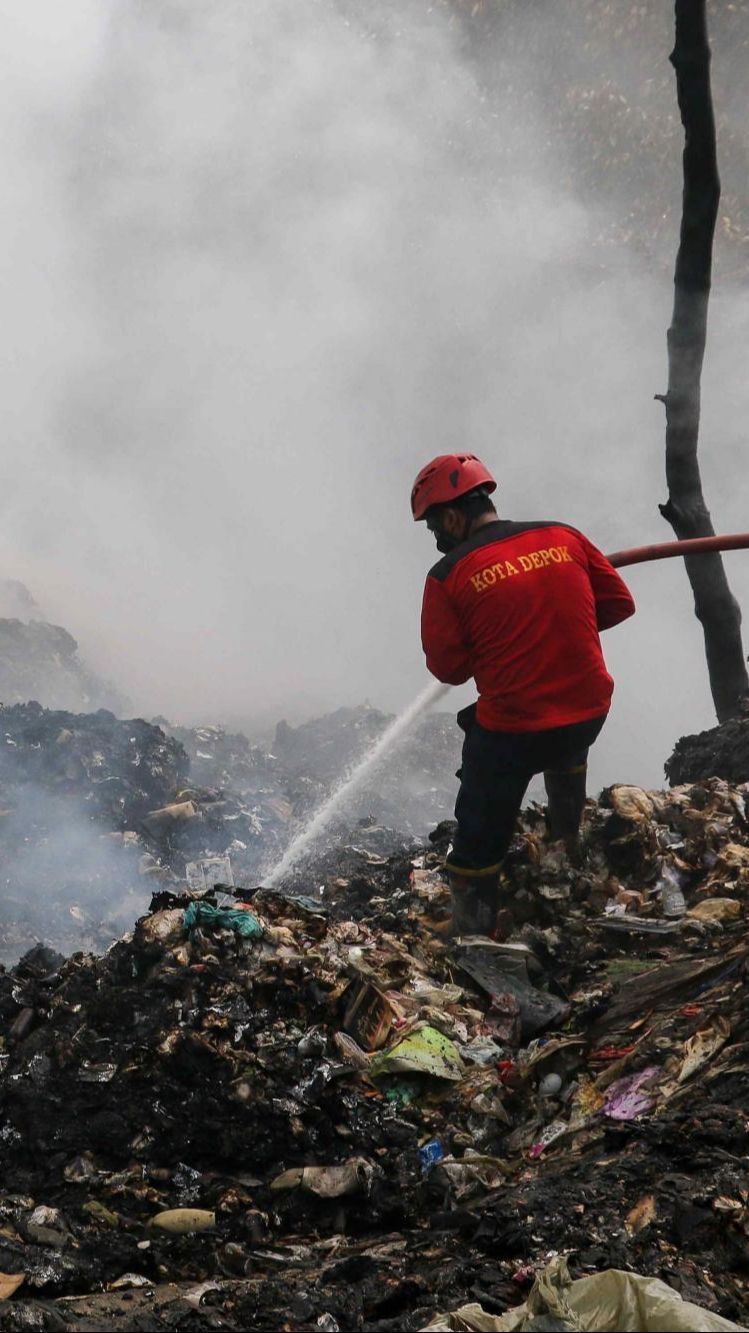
(518, 607)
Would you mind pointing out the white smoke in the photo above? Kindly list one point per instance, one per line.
(64, 880)
(261, 262)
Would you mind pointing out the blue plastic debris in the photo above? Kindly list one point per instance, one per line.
(430, 1155)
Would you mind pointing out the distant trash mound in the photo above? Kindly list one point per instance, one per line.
(40, 661)
(16, 602)
(118, 771)
(412, 790)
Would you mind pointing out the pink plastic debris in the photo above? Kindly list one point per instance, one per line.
(625, 1100)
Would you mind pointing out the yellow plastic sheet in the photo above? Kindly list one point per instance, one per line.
(423, 1051)
(612, 1301)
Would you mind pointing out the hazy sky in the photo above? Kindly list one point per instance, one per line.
(260, 263)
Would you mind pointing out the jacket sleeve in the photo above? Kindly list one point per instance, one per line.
(614, 601)
(448, 655)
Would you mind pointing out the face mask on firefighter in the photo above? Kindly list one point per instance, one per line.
(445, 541)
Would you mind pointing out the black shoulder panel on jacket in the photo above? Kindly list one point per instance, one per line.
(500, 531)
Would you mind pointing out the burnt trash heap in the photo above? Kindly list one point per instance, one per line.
(41, 661)
(95, 811)
(308, 1108)
(287, 781)
(75, 792)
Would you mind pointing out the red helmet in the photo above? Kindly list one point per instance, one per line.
(446, 478)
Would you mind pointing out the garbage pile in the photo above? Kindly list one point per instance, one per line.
(76, 791)
(271, 1110)
(419, 785)
(120, 769)
(263, 802)
(97, 811)
(278, 789)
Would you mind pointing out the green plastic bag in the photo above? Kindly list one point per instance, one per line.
(234, 918)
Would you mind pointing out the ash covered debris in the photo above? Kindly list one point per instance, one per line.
(268, 795)
(306, 762)
(421, 770)
(266, 1111)
(119, 769)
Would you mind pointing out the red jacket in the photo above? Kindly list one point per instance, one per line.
(519, 606)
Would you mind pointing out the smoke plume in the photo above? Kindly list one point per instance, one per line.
(261, 262)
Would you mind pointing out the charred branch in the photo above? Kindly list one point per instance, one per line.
(715, 606)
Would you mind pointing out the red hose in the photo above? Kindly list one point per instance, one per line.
(735, 541)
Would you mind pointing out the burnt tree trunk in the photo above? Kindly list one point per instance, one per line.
(715, 606)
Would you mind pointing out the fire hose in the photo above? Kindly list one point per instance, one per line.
(733, 541)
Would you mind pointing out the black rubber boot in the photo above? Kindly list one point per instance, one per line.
(474, 903)
(566, 793)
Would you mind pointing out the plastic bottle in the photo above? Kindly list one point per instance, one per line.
(669, 888)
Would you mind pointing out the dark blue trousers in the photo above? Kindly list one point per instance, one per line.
(497, 768)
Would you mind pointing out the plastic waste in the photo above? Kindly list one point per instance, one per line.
(702, 1046)
(47, 1226)
(716, 909)
(553, 1131)
(239, 919)
(159, 822)
(328, 1182)
(673, 903)
(297, 903)
(430, 1154)
(632, 803)
(208, 872)
(165, 927)
(611, 1301)
(183, 1221)
(403, 1092)
(424, 1051)
(97, 1073)
(481, 1051)
(130, 1282)
(641, 1215)
(639, 925)
(472, 1170)
(369, 1015)
(9, 1283)
(501, 974)
(312, 1043)
(625, 1099)
(550, 1085)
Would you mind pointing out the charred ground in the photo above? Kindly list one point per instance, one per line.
(370, 1124)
